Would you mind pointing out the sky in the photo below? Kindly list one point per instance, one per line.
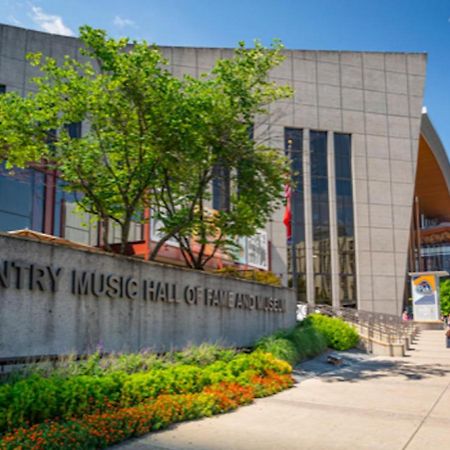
(371, 25)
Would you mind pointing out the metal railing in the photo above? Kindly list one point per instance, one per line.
(386, 328)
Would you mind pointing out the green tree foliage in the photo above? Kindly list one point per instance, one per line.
(153, 139)
(222, 107)
(445, 297)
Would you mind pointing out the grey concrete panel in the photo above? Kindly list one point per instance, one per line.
(363, 238)
(381, 239)
(351, 76)
(352, 99)
(378, 170)
(361, 215)
(329, 96)
(305, 93)
(398, 104)
(351, 58)
(402, 171)
(304, 70)
(399, 126)
(377, 147)
(328, 73)
(375, 102)
(374, 60)
(326, 56)
(13, 41)
(360, 168)
(353, 121)
(402, 193)
(396, 83)
(384, 287)
(416, 84)
(400, 148)
(374, 79)
(376, 124)
(380, 216)
(379, 192)
(395, 62)
(416, 63)
(42, 321)
(306, 116)
(12, 71)
(330, 119)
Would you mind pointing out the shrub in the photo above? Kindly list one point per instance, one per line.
(308, 341)
(279, 347)
(37, 398)
(102, 430)
(261, 276)
(339, 335)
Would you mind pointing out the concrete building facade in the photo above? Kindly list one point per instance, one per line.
(352, 131)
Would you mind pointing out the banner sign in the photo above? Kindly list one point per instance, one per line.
(425, 295)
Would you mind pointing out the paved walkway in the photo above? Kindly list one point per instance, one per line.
(367, 403)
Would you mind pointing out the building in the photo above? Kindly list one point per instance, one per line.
(372, 178)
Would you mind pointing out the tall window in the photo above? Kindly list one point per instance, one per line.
(22, 199)
(221, 187)
(320, 217)
(344, 209)
(293, 144)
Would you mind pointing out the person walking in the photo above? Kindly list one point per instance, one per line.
(447, 337)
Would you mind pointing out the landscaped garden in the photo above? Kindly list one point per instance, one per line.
(104, 400)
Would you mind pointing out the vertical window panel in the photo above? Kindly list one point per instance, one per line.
(293, 145)
(345, 220)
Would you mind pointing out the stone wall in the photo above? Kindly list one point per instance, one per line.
(56, 300)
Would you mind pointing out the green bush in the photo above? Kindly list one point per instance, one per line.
(308, 341)
(339, 335)
(37, 398)
(279, 347)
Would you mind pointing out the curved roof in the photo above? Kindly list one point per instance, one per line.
(433, 173)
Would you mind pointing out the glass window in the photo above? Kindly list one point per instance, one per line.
(221, 188)
(320, 217)
(22, 199)
(293, 145)
(2, 88)
(345, 226)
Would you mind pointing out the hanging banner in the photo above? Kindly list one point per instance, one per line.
(425, 295)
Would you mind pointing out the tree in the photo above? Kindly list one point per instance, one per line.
(445, 297)
(153, 139)
(125, 100)
(217, 147)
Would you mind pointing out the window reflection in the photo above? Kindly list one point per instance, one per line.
(22, 199)
(320, 217)
(345, 225)
(293, 144)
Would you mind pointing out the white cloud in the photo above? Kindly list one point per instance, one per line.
(50, 23)
(121, 22)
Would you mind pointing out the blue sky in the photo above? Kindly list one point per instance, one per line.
(382, 25)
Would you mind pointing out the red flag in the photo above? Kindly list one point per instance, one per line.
(287, 219)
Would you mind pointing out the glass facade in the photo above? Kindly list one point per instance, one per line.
(345, 222)
(293, 144)
(320, 217)
(22, 199)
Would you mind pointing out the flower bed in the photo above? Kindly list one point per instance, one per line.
(102, 429)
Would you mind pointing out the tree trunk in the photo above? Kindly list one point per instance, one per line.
(124, 232)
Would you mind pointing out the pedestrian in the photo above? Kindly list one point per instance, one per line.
(405, 316)
(447, 337)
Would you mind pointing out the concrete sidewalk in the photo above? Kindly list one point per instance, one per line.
(367, 403)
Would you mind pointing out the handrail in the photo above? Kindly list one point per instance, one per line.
(385, 327)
